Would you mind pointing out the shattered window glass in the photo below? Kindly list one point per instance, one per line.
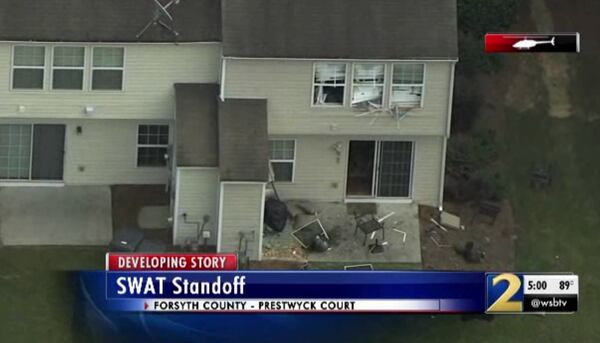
(407, 85)
(367, 84)
(329, 84)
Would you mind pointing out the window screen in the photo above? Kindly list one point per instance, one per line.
(407, 85)
(107, 68)
(153, 144)
(28, 67)
(395, 168)
(67, 67)
(282, 155)
(15, 151)
(367, 84)
(329, 84)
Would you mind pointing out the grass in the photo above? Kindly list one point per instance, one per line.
(559, 231)
(35, 291)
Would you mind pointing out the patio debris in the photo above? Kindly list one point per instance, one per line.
(487, 209)
(470, 252)
(307, 208)
(382, 219)
(437, 224)
(403, 235)
(437, 238)
(307, 234)
(276, 214)
(450, 220)
(377, 248)
(359, 267)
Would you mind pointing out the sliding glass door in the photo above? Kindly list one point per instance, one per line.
(379, 169)
(32, 152)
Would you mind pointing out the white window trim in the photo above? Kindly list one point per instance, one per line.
(312, 92)
(422, 85)
(138, 145)
(292, 161)
(82, 68)
(122, 69)
(382, 85)
(13, 67)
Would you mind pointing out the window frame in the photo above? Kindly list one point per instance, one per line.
(314, 84)
(138, 145)
(82, 68)
(92, 68)
(13, 67)
(390, 101)
(382, 85)
(292, 161)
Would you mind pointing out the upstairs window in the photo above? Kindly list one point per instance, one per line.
(282, 154)
(68, 67)
(107, 68)
(367, 84)
(153, 145)
(29, 63)
(407, 85)
(329, 84)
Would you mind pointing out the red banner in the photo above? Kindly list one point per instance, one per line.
(170, 262)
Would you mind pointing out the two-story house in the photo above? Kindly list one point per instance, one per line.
(333, 100)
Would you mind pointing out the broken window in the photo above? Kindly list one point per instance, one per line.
(407, 85)
(367, 84)
(67, 67)
(107, 68)
(28, 67)
(153, 145)
(329, 84)
(282, 155)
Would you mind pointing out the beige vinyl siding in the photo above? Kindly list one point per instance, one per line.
(427, 169)
(287, 84)
(319, 177)
(242, 206)
(197, 196)
(150, 72)
(104, 153)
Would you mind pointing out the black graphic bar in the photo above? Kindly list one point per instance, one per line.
(550, 303)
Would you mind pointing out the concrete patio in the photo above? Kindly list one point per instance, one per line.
(338, 221)
(73, 215)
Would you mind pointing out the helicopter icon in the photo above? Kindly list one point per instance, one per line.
(526, 44)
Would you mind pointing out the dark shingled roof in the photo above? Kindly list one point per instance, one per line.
(196, 124)
(361, 29)
(106, 21)
(243, 140)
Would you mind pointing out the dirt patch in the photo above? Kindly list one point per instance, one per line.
(555, 66)
(496, 240)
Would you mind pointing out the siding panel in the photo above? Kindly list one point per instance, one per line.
(198, 196)
(242, 207)
(103, 154)
(319, 177)
(150, 72)
(287, 85)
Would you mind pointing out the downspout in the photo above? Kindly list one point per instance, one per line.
(446, 137)
(223, 70)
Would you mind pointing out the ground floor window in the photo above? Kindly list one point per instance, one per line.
(152, 145)
(282, 155)
(380, 169)
(31, 152)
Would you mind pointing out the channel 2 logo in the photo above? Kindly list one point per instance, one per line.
(504, 293)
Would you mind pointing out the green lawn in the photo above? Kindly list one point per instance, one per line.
(35, 293)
